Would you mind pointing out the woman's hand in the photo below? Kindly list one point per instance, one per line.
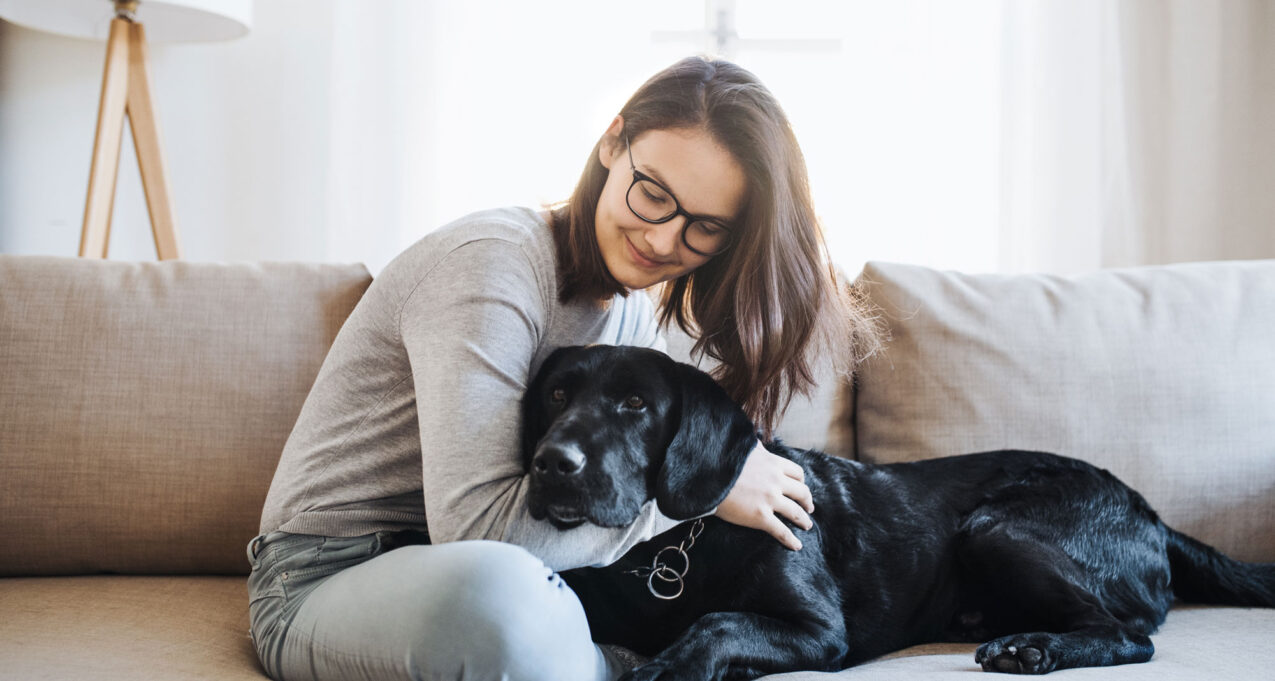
(770, 486)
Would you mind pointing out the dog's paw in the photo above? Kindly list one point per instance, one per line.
(1019, 654)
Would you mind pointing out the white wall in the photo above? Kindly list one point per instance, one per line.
(328, 133)
(335, 132)
(243, 138)
(934, 133)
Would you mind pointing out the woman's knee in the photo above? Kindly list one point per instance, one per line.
(479, 569)
(494, 604)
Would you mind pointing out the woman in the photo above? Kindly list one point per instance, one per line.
(409, 438)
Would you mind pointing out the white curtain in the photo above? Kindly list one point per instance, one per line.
(1136, 132)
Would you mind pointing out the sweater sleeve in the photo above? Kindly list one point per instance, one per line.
(471, 328)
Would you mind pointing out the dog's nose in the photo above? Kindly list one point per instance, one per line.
(556, 460)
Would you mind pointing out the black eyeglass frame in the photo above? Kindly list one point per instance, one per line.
(639, 176)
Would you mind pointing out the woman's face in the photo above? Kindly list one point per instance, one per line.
(702, 176)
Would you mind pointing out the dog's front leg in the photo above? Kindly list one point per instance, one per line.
(739, 645)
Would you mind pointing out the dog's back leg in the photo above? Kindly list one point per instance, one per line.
(1028, 584)
(743, 645)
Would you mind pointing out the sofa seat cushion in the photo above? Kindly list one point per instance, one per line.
(1163, 375)
(1196, 642)
(174, 628)
(127, 628)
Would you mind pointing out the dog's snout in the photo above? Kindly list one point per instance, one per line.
(558, 461)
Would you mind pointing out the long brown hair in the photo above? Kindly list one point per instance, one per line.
(763, 307)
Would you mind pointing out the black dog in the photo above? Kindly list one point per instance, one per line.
(1052, 561)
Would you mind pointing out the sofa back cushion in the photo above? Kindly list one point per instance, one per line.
(143, 406)
(1163, 375)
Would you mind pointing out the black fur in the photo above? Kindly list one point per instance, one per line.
(1049, 561)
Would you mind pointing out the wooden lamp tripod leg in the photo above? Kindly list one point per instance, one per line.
(106, 144)
(150, 156)
(126, 92)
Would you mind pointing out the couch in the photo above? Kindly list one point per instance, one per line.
(143, 407)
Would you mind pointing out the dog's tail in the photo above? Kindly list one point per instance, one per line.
(1202, 574)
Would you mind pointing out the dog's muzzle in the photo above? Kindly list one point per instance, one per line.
(556, 485)
(558, 463)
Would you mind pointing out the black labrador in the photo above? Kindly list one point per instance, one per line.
(1049, 561)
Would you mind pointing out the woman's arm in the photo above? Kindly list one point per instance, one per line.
(471, 328)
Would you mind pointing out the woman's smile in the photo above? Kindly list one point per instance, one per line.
(641, 260)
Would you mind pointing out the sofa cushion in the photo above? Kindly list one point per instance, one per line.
(1163, 375)
(1218, 644)
(174, 628)
(145, 405)
(126, 628)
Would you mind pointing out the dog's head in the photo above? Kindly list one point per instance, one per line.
(606, 428)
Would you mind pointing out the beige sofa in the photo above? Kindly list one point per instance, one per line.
(143, 407)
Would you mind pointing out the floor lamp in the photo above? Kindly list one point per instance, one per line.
(126, 92)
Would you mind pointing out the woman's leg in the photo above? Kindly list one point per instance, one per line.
(466, 611)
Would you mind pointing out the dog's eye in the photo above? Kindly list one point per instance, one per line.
(558, 396)
(634, 402)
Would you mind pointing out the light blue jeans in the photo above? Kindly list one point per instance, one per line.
(360, 608)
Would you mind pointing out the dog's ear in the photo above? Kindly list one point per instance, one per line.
(713, 440)
(535, 422)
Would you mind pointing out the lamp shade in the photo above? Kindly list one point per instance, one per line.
(165, 20)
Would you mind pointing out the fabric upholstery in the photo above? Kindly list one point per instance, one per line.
(145, 405)
(1218, 644)
(1163, 375)
(143, 408)
(113, 628)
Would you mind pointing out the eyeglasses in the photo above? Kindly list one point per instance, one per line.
(652, 203)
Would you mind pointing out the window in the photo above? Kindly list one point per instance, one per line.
(895, 105)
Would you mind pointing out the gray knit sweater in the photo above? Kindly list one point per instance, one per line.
(413, 419)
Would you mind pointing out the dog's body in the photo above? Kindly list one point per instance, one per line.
(1049, 560)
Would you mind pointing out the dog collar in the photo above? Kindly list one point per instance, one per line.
(666, 573)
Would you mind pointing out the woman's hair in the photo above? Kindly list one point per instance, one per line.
(761, 308)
